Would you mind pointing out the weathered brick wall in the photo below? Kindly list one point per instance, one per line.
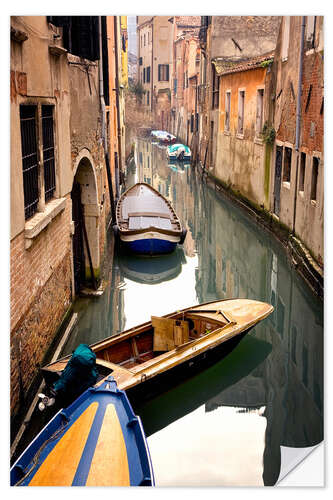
(312, 132)
(41, 294)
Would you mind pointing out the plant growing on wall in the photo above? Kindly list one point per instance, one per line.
(268, 133)
(137, 89)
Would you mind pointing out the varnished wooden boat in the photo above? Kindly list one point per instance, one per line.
(96, 441)
(146, 223)
(151, 353)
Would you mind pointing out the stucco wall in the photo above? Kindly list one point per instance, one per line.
(240, 159)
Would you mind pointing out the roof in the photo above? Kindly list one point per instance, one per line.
(194, 21)
(225, 67)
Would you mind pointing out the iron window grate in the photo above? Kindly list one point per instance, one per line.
(48, 151)
(29, 158)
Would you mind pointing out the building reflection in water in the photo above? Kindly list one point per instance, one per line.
(236, 258)
(277, 370)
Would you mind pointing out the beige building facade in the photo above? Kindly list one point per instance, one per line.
(59, 204)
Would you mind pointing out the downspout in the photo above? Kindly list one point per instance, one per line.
(101, 83)
(298, 115)
(104, 141)
(118, 166)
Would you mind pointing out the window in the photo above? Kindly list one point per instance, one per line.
(215, 88)
(287, 164)
(227, 112)
(260, 108)
(29, 158)
(148, 98)
(197, 122)
(48, 151)
(163, 72)
(302, 172)
(144, 39)
(314, 181)
(241, 100)
(148, 74)
(144, 75)
(35, 178)
(285, 38)
(192, 122)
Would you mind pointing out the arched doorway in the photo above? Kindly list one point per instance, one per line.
(85, 216)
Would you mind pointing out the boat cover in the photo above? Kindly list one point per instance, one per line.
(79, 374)
(174, 148)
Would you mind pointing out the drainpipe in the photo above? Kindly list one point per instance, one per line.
(118, 166)
(101, 83)
(104, 141)
(298, 115)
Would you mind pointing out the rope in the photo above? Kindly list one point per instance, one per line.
(37, 455)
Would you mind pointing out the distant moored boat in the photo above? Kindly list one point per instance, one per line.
(146, 221)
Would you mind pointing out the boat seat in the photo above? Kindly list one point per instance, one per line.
(169, 333)
(144, 222)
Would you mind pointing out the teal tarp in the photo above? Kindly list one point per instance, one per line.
(79, 374)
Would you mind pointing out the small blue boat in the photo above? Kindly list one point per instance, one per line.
(96, 441)
(178, 152)
(146, 223)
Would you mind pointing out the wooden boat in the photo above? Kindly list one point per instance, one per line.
(178, 152)
(147, 358)
(163, 137)
(96, 441)
(146, 223)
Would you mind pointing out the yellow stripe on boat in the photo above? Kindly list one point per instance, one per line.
(109, 466)
(60, 465)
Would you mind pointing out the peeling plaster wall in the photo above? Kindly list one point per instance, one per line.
(240, 161)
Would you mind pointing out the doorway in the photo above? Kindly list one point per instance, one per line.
(77, 241)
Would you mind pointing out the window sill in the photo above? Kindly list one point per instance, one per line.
(226, 132)
(240, 136)
(286, 184)
(314, 203)
(301, 194)
(35, 225)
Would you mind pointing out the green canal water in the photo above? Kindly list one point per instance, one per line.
(224, 426)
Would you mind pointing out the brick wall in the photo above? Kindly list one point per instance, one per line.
(312, 119)
(40, 295)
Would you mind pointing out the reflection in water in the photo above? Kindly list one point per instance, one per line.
(276, 371)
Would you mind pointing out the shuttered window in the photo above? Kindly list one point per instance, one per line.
(163, 72)
(241, 100)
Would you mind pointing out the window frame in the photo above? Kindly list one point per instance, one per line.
(40, 129)
(227, 110)
(241, 112)
(215, 88)
(161, 69)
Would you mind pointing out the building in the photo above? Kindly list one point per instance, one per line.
(154, 37)
(226, 41)
(297, 174)
(240, 152)
(60, 204)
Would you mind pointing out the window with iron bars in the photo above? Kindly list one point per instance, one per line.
(38, 159)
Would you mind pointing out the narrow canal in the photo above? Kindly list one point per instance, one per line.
(225, 426)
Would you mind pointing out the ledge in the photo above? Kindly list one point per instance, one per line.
(41, 220)
(56, 50)
(286, 184)
(258, 141)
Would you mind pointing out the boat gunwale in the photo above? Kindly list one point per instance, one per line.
(134, 331)
(173, 232)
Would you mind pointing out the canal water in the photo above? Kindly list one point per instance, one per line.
(224, 426)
